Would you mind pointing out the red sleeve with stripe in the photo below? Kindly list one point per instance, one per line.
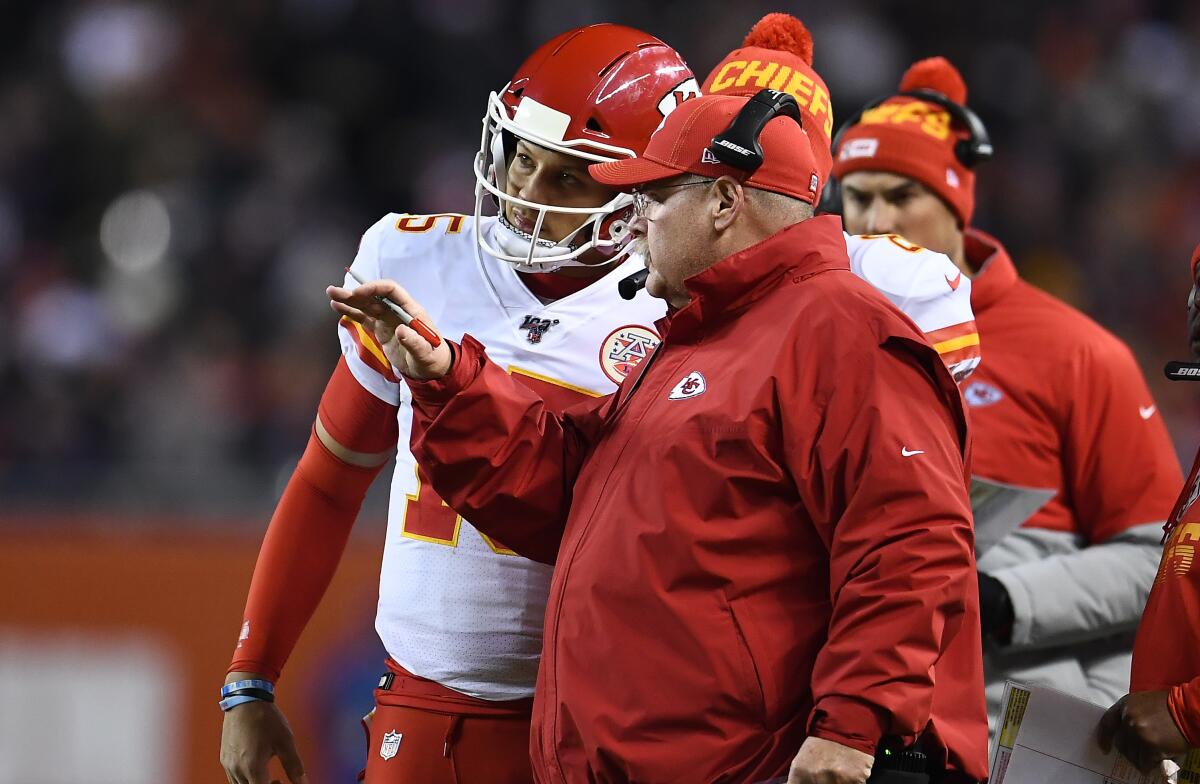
(311, 524)
(1184, 704)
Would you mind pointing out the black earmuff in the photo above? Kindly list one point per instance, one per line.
(738, 146)
(975, 149)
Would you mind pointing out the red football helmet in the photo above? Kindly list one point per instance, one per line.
(596, 93)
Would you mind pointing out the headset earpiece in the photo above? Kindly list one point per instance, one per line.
(738, 146)
(970, 152)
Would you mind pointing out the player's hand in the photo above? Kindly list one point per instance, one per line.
(823, 761)
(410, 353)
(253, 733)
(1141, 726)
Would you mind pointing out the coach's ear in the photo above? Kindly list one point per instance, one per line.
(729, 200)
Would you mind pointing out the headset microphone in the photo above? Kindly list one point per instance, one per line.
(629, 285)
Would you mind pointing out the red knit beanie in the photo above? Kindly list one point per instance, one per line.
(777, 53)
(915, 138)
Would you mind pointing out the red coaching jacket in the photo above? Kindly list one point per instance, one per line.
(763, 534)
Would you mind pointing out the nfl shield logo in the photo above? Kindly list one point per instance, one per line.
(391, 744)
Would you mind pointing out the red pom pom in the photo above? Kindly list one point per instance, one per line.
(783, 33)
(937, 74)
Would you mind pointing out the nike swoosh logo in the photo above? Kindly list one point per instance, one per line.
(954, 283)
(1146, 411)
(905, 452)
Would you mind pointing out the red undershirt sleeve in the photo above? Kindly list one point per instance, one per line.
(1184, 703)
(310, 527)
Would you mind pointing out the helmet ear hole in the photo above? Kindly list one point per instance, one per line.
(594, 125)
(509, 140)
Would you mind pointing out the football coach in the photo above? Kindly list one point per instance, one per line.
(762, 541)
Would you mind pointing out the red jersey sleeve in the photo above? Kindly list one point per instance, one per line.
(1184, 704)
(311, 524)
(1166, 653)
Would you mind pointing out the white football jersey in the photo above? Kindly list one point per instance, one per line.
(455, 606)
(928, 288)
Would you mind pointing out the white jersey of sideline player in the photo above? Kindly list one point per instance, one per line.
(457, 607)
(928, 288)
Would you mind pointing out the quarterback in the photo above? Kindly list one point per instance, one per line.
(459, 614)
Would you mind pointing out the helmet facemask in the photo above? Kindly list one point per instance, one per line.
(605, 227)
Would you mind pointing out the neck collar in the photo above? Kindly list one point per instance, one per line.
(994, 270)
(802, 249)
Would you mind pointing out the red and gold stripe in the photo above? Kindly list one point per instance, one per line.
(369, 350)
(954, 338)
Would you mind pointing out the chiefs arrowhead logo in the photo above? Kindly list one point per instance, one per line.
(693, 384)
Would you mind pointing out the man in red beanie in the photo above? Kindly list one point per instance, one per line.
(1058, 406)
(1160, 719)
(777, 54)
(762, 544)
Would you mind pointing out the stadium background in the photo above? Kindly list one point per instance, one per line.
(178, 183)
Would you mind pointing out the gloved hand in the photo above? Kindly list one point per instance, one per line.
(995, 609)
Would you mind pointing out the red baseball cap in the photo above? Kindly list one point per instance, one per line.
(681, 144)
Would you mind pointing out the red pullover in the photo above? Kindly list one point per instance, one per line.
(764, 534)
(1166, 655)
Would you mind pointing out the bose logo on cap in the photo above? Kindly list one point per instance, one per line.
(859, 148)
(740, 150)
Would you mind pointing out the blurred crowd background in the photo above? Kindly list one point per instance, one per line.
(180, 180)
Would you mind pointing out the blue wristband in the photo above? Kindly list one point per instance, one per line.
(266, 686)
(229, 703)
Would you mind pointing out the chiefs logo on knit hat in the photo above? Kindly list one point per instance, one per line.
(777, 53)
(915, 138)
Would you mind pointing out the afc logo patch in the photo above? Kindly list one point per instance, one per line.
(624, 348)
(537, 327)
(391, 744)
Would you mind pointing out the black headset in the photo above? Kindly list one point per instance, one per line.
(737, 146)
(970, 152)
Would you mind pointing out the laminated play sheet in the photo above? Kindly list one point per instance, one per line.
(1045, 736)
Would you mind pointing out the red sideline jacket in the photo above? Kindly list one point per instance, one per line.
(1166, 655)
(763, 534)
